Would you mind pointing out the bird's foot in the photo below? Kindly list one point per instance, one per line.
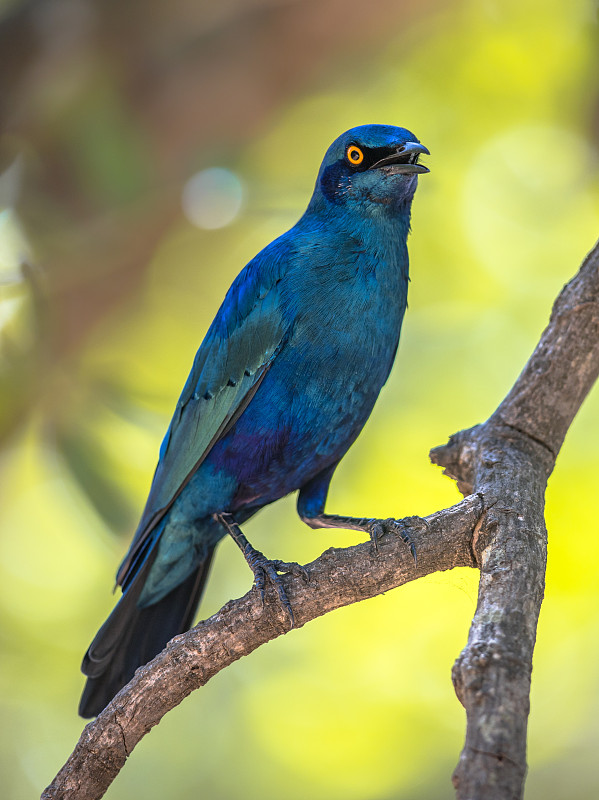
(379, 527)
(265, 568)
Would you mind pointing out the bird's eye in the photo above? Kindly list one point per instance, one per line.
(354, 155)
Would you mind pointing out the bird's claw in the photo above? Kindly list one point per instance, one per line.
(375, 531)
(264, 568)
(378, 527)
(292, 568)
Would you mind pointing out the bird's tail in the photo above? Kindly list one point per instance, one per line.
(132, 636)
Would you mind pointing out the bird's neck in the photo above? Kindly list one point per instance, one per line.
(372, 218)
(380, 235)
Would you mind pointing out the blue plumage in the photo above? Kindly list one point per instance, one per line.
(282, 384)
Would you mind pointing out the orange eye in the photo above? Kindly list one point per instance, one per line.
(354, 155)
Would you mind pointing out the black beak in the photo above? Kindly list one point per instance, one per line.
(405, 159)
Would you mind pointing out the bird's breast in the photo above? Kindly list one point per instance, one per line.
(343, 312)
(348, 321)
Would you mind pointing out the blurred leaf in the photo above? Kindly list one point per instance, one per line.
(358, 704)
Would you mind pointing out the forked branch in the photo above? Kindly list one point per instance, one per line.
(503, 466)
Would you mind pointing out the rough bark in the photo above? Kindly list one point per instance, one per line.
(337, 578)
(508, 460)
(503, 466)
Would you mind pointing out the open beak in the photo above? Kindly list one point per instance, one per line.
(405, 160)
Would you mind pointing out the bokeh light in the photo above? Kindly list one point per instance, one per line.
(212, 198)
(116, 249)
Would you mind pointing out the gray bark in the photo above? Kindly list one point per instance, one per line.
(502, 466)
(508, 460)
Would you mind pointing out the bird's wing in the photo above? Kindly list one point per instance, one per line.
(228, 368)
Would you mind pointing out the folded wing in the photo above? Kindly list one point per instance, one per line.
(233, 359)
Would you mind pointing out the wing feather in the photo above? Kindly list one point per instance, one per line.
(232, 361)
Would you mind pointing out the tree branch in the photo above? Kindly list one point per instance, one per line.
(508, 460)
(503, 466)
(338, 578)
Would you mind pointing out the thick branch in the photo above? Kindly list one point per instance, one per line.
(564, 366)
(508, 459)
(338, 578)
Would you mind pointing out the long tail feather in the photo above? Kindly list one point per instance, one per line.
(132, 636)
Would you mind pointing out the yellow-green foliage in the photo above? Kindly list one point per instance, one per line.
(359, 704)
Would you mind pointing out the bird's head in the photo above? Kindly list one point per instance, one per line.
(371, 169)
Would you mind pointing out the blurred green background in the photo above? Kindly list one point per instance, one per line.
(116, 248)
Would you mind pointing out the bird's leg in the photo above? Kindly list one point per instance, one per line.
(310, 507)
(375, 528)
(261, 566)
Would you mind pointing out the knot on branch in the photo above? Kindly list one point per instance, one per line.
(506, 461)
(582, 288)
(458, 457)
(470, 669)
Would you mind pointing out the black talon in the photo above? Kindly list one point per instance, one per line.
(377, 528)
(255, 560)
(291, 567)
(407, 539)
(399, 527)
(283, 599)
(263, 567)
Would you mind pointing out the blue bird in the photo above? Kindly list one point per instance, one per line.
(280, 388)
